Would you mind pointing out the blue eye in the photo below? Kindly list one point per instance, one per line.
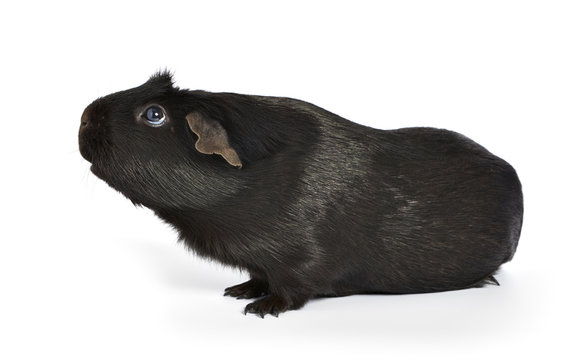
(154, 115)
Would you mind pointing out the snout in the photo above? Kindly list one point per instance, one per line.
(84, 119)
(91, 134)
(83, 139)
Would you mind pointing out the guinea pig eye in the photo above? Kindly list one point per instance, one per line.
(154, 115)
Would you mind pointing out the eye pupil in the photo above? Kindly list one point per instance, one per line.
(154, 115)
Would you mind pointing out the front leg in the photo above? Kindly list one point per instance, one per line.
(274, 305)
(280, 289)
(287, 291)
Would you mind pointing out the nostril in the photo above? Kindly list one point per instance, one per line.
(85, 117)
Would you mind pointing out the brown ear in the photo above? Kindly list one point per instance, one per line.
(213, 138)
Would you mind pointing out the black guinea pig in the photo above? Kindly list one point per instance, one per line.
(307, 202)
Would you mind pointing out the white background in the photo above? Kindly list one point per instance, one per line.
(85, 275)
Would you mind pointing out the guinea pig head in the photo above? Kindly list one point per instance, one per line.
(156, 145)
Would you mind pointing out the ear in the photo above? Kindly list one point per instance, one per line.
(213, 138)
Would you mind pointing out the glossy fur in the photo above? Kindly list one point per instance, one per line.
(321, 206)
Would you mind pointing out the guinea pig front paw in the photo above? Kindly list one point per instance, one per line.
(271, 304)
(251, 289)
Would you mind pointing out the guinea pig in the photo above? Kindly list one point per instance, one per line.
(308, 203)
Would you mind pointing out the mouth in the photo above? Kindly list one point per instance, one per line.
(96, 171)
(92, 143)
(84, 144)
(85, 153)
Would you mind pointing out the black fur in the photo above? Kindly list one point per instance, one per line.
(321, 206)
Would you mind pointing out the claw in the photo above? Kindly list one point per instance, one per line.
(271, 304)
(248, 290)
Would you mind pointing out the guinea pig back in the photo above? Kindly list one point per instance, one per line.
(308, 203)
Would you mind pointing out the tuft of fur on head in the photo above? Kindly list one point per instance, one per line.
(163, 76)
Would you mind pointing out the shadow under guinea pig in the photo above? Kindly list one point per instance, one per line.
(171, 266)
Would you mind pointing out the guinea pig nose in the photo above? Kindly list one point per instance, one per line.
(85, 118)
